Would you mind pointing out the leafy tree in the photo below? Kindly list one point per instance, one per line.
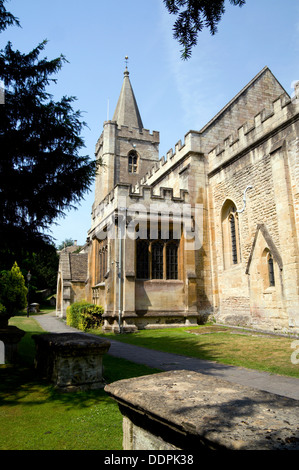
(193, 16)
(13, 292)
(41, 170)
(66, 242)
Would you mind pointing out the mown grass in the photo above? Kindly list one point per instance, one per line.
(35, 416)
(231, 346)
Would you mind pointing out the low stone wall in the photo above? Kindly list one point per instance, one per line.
(72, 361)
(182, 410)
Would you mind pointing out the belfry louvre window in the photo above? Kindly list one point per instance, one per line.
(157, 259)
(133, 162)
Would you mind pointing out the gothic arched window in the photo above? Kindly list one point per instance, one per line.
(233, 238)
(230, 234)
(102, 263)
(133, 162)
(271, 271)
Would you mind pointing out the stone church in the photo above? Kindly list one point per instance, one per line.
(208, 231)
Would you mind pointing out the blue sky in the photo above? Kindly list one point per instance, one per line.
(173, 96)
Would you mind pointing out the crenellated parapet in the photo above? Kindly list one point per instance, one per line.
(192, 143)
(124, 195)
(260, 128)
(134, 133)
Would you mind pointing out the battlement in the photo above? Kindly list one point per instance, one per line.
(129, 133)
(192, 143)
(266, 121)
(125, 193)
(134, 133)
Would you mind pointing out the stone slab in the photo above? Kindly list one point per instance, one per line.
(72, 361)
(188, 410)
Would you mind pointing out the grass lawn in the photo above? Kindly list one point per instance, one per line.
(33, 416)
(225, 345)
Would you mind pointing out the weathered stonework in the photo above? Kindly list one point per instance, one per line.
(10, 336)
(183, 410)
(242, 165)
(71, 361)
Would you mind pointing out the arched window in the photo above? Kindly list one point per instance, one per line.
(230, 234)
(133, 162)
(271, 271)
(267, 269)
(157, 259)
(103, 258)
(233, 238)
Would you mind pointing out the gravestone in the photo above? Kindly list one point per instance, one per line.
(182, 410)
(2, 353)
(71, 361)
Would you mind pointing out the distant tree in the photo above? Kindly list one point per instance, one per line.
(41, 170)
(66, 242)
(193, 16)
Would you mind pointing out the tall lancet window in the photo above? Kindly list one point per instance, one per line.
(133, 162)
(271, 271)
(230, 234)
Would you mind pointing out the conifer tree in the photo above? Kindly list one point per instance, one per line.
(42, 172)
(193, 16)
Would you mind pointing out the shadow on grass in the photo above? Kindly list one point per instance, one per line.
(176, 342)
(20, 383)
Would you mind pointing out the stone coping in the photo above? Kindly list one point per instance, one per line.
(193, 410)
(71, 341)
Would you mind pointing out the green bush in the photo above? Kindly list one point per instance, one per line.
(13, 292)
(2, 308)
(84, 315)
(91, 317)
(73, 313)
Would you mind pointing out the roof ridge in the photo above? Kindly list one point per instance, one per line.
(236, 97)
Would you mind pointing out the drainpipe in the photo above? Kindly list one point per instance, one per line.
(121, 220)
(244, 200)
(119, 276)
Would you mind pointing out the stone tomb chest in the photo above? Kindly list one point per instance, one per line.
(182, 410)
(72, 361)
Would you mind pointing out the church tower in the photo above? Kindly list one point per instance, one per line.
(126, 150)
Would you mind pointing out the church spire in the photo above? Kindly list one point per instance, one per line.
(127, 112)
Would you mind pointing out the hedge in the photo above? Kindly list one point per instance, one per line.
(84, 315)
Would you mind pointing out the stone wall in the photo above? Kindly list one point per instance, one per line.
(265, 157)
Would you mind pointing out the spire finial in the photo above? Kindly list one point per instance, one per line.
(126, 72)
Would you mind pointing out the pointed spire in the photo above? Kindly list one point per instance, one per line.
(127, 112)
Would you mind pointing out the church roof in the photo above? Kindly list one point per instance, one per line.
(127, 112)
